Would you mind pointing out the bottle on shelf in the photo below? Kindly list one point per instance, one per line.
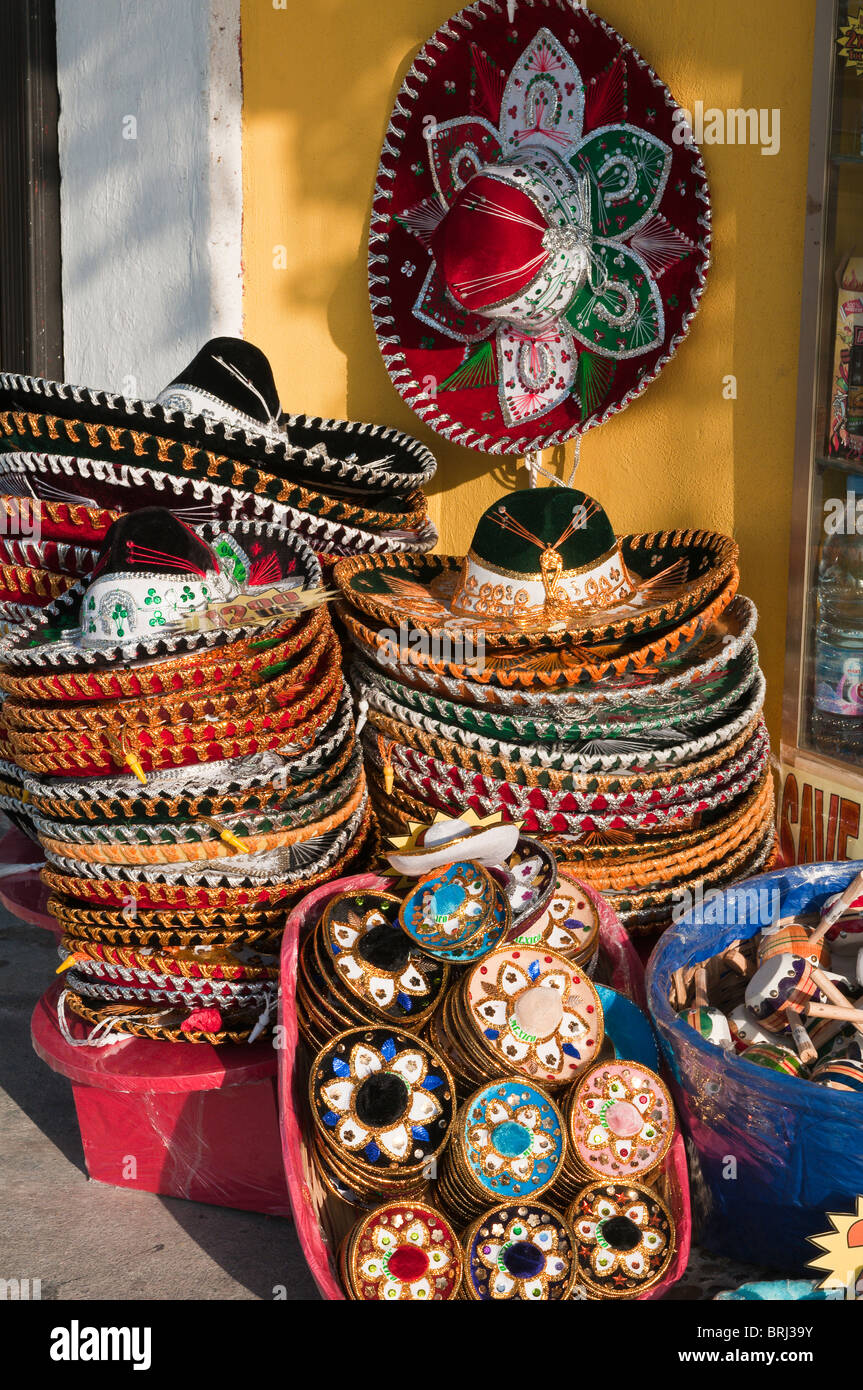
(837, 713)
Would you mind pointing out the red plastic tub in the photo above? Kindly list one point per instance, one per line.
(181, 1119)
(321, 1219)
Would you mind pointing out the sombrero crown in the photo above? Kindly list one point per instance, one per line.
(154, 571)
(160, 586)
(544, 551)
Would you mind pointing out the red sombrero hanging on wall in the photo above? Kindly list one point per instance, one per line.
(540, 231)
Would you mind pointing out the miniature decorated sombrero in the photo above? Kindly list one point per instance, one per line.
(540, 230)
(160, 587)
(544, 566)
(224, 402)
(483, 841)
(624, 1238)
(520, 1251)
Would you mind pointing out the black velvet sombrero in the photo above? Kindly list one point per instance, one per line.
(224, 401)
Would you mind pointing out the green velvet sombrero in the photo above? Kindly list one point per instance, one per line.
(544, 567)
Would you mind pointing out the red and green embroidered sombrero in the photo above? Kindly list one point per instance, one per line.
(540, 230)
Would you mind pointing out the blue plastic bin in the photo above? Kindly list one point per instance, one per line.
(797, 1148)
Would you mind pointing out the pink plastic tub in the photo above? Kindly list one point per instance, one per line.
(321, 1219)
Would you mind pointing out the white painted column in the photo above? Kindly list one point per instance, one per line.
(151, 186)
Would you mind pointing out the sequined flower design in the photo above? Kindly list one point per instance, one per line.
(528, 1258)
(572, 239)
(622, 1111)
(382, 1102)
(538, 1013)
(622, 1235)
(375, 958)
(409, 1262)
(514, 1141)
(569, 925)
(533, 877)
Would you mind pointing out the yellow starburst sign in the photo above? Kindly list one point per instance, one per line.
(841, 1258)
(851, 42)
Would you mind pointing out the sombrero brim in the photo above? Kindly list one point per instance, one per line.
(619, 757)
(205, 789)
(57, 557)
(160, 895)
(397, 740)
(68, 522)
(695, 667)
(419, 590)
(448, 118)
(687, 712)
(180, 840)
(554, 812)
(281, 865)
(31, 586)
(226, 491)
(367, 458)
(48, 640)
(138, 1022)
(548, 669)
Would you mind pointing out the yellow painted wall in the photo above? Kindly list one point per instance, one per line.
(320, 78)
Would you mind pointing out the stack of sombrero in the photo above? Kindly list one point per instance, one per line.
(603, 692)
(214, 446)
(187, 758)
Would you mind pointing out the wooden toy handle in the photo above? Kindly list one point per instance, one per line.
(805, 1047)
(847, 1015)
(835, 910)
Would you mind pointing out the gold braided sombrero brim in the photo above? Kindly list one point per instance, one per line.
(32, 586)
(239, 695)
(298, 729)
(214, 848)
(152, 896)
(134, 1021)
(216, 666)
(546, 669)
(186, 805)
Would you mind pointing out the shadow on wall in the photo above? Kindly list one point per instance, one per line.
(133, 145)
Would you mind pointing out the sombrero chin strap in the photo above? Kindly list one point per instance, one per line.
(101, 1035)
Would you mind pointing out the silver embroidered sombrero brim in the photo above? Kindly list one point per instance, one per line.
(244, 825)
(551, 812)
(686, 711)
(623, 755)
(285, 865)
(402, 746)
(362, 456)
(126, 487)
